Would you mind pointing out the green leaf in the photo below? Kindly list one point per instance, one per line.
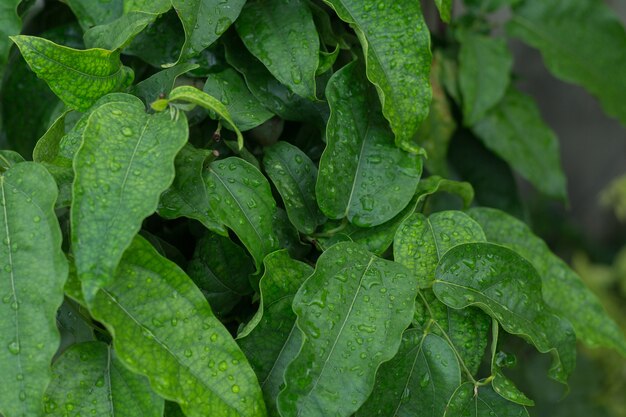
(327, 60)
(10, 24)
(422, 241)
(562, 289)
(78, 77)
(204, 22)
(188, 195)
(202, 99)
(363, 176)
(445, 9)
(507, 390)
(91, 13)
(469, 401)
(396, 44)
(418, 381)
(125, 162)
(47, 147)
(149, 6)
(484, 73)
(352, 312)
(229, 88)
(578, 40)
(99, 384)
(64, 177)
(31, 283)
(275, 339)
(288, 236)
(515, 131)
(160, 43)
(282, 35)
(294, 175)
(186, 353)
(220, 268)
(120, 32)
(160, 83)
(241, 198)
(508, 288)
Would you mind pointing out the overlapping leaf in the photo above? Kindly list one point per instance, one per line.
(90, 13)
(352, 312)
(125, 162)
(32, 276)
(160, 83)
(120, 32)
(483, 402)
(363, 176)
(10, 24)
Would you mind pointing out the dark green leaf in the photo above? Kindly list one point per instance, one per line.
(507, 390)
(91, 13)
(418, 381)
(98, 384)
(78, 77)
(578, 40)
(396, 43)
(186, 353)
(160, 83)
(120, 32)
(562, 289)
(469, 401)
(352, 312)
(160, 43)
(10, 24)
(508, 288)
(515, 131)
(282, 35)
(47, 147)
(327, 59)
(32, 277)
(294, 175)
(125, 162)
(363, 176)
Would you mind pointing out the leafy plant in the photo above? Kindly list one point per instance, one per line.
(267, 207)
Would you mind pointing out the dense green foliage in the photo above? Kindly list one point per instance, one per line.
(285, 207)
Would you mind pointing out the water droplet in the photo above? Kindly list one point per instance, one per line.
(127, 131)
(235, 388)
(188, 353)
(214, 337)
(116, 112)
(222, 366)
(36, 219)
(14, 347)
(222, 24)
(366, 328)
(100, 382)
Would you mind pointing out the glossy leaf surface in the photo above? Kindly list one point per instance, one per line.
(363, 176)
(120, 32)
(79, 78)
(352, 312)
(508, 288)
(396, 44)
(418, 381)
(99, 384)
(31, 283)
(186, 353)
(282, 35)
(294, 175)
(125, 162)
(464, 403)
(562, 289)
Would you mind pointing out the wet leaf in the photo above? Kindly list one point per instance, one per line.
(99, 384)
(507, 287)
(363, 176)
(31, 283)
(562, 289)
(486, 403)
(120, 32)
(186, 353)
(78, 77)
(161, 83)
(396, 44)
(418, 381)
(294, 174)
(281, 34)
(507, 390)
(47, 147)
(274, 339)
(352, 312)
(90, 13)
(125, 162)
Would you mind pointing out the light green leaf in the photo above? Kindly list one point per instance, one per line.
(515, 131)
(282, 35)
(120, 32)
(99, 384)
(47, 147)
(481, 402)
(202, 99)
(188, 195)
(125, 162)
(241, 198)
(78, 77)
(421, 241)
(484, 73)
(149, 6)
(445, 9)
(418, 381)
(204, 21)
(508, 288)
(396, 44)
(91, 13)
(562, 289)
(10, 158)
(229, 88)
(507, 390)
(294, 174)
(326, 60)
(352, 312)
(31, 283)
(221, 269)
(578, 40)
(274, 339)
(10, 24)
(363, 176)
(186, 353)
(160, 83)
